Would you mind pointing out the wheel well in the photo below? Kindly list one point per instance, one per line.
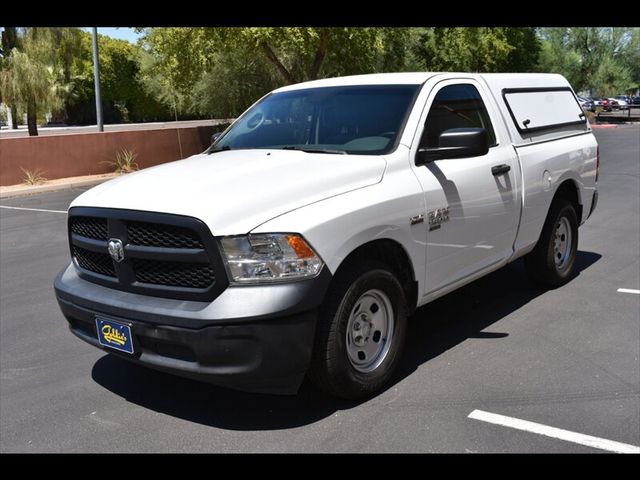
(569, 191)
(395, 257)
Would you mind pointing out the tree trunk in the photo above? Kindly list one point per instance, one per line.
(14, 117)
(9, 41)
(320, 54)
(9, 38)
(32, 119)
(286, 74)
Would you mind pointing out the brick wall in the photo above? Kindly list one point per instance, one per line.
(60, 156)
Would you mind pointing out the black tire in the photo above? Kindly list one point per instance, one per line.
(331, 370)
(540, 263)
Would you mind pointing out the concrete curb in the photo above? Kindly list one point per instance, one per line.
(34, 189)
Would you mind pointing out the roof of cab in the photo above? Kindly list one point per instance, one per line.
(407, 78)
(500, 80)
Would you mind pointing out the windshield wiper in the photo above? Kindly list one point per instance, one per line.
(314, 150)
(219, 149)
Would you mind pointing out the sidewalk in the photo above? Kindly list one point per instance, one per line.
(54, 185)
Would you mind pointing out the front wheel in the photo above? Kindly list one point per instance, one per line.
(361, 332)
(552, 261)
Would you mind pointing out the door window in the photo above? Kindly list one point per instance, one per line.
(456, 106)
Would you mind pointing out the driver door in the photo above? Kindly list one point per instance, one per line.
(472, 211)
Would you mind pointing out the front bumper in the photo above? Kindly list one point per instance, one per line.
(252, 338)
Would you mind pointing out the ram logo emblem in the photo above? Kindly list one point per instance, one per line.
(116, 249)
(437, 217)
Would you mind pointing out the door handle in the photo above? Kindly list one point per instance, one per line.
(500, 169)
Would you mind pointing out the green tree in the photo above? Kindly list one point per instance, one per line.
(476, 49)
(631, 59)
(527, 48)
(30, 78)
(224, 69)
(232, 84)
(124, 97)
(159, 85)
(304, 53)
(611, 77)
(556, 56)
(121, 83)
(603, 60)
(9, 42)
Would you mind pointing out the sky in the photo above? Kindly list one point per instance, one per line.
(123, 33)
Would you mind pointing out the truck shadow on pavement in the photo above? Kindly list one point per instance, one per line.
(452, 319)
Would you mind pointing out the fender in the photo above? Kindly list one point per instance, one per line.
(337, 226)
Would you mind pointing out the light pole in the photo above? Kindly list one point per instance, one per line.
(96, 75)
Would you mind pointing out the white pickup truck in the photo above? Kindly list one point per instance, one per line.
(302, 239)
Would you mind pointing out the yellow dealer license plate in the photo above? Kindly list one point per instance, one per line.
(114, 335)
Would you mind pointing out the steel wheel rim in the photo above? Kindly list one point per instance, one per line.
(369, 330)
(562, 243)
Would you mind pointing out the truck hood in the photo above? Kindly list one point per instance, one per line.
(235, 191)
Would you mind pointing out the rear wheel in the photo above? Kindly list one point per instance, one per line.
(552, 261)
(361, 331)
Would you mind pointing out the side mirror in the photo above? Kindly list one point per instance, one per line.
(215, 137)
(456, 143)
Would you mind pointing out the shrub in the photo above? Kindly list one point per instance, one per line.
(125, 161)
(33, 177)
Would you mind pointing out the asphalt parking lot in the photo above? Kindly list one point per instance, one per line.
(567, 358)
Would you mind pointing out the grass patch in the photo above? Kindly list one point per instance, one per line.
(125, 161)
(33, 177)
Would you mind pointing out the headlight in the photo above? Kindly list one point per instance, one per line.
(270, 257)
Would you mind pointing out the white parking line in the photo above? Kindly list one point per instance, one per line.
(33, 209)
(629, 290)
(566, 435)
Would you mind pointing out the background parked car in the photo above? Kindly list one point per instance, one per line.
(602, 103)
(626, 98)
(614, 103)
(582, 101)
(622, 103)
(588, 105)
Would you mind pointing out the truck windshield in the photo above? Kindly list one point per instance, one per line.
(364, 120)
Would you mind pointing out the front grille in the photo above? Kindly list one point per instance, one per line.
(173, 273)
(164, 255)
(89, 227)
(93, 261)
(153, 235)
